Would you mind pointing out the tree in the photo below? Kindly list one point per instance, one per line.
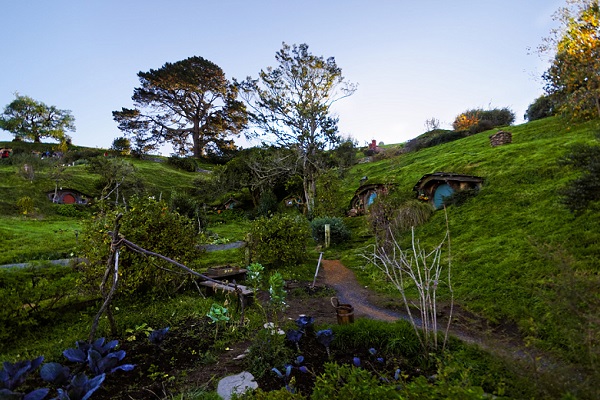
(29, 119)
(573, 79)
(542, 107)
(291, 105)
(189, 104)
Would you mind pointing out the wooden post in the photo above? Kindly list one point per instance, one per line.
(327, 235)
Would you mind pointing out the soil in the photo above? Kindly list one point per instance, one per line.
(181, 362)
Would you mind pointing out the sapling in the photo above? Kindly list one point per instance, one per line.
(424, 270)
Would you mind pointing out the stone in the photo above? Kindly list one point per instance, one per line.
(238, 384)
(500, 138)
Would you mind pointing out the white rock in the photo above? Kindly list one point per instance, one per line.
(239, 384)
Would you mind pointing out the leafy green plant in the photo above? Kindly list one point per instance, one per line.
(268, 350)
(218, 315)
(347, 381)
(132, 334)
(339, 232)
(279, 241)
(31, 296)
(151, 225)
(542, 107)
(584, 190)
(25, 205)
(254, 275)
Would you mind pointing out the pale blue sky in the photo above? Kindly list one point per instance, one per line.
(413, 60)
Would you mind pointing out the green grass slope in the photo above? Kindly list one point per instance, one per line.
(48, 233)
(518, 255)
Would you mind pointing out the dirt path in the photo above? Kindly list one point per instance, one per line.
(503, 341)
(349, 291)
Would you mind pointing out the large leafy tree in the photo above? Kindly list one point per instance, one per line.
(29, 119)
(290, 105)
(573, 79)
(189, 104)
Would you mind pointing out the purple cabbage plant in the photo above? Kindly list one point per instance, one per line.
(13, 375)
(325, 337)
(294, 336)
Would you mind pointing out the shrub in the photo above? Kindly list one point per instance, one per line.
(328, 201)
(267, 204)
(268, 350)
(189, 207)
(68, 210)
(579, 193)
(459, 197)
(188, 164)
(151, 225)
(346, 381)
(122, 145)
(339, 232)
(394, 215)
(25, 205)
(31, 295)
(466, 120)
(81, 154)
(472, 118)
(542, 107)
(433, 138)
(279, 241)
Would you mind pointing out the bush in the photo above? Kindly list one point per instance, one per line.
(25, 205)
(122, 145)
(579, 193)
(81, 154)
(472, 118)
(69, 210)
(394, 215)
(267, 204)
(30, 296)
(151, 225)
(279, 241)
(460, 197)
(188, 164)
(542, 107)
(329, 199)
(347, 381)
(433, 138)
(339, 231)
(268, 350)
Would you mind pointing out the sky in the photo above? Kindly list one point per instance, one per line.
(412, 60)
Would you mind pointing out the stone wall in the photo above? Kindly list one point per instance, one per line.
(500, 138)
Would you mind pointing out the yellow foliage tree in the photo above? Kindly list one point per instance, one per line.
(573, 79)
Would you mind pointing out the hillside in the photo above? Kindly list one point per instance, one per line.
(50, 231)
(519, 258)
(518, 255)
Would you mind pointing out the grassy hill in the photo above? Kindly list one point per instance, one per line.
(49, 232)
(519, 257)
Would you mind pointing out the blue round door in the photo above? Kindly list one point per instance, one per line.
(442, 191)
(371, 198)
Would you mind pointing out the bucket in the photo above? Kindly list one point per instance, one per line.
(345, 312)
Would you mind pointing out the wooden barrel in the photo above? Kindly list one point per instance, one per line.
(345, 312)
